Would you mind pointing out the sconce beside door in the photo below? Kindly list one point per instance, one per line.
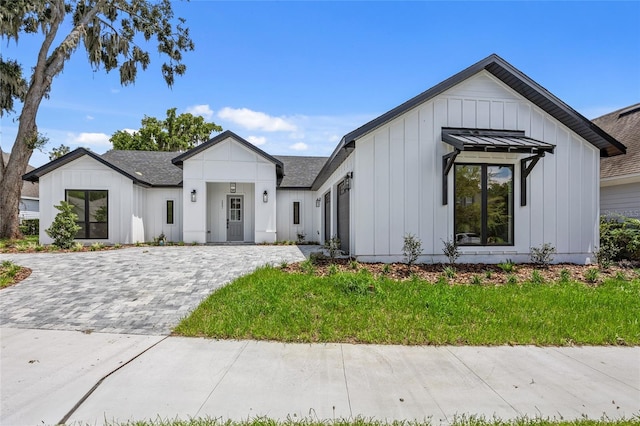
(265, 196)
(193, 196)
(318, 201)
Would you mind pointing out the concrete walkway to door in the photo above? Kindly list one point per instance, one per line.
(137, 290)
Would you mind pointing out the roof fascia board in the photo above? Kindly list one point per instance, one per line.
(219, 138)
(34, 175)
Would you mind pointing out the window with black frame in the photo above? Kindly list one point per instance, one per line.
(92, 208)
(484, 204)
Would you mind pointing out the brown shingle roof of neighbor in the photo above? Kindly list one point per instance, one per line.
(152, 167)
(29, 189)
(624, 125)
(300, 172)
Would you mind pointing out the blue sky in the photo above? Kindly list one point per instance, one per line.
(294, 77)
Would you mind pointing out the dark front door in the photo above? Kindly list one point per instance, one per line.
(327, 217)
(343, 216)
(235, 218)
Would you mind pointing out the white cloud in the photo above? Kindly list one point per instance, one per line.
(257, 140)
(255, 120)
(84, 139)
(300, 146)
(89, 117)
(130, 131)
(202, 110)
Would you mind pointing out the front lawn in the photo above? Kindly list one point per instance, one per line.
(358, 307)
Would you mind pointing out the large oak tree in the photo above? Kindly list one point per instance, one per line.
(175, 133)
(112, 32)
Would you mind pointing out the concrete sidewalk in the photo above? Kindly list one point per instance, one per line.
(45, 374)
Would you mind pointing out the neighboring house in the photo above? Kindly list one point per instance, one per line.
(29, 196)
(620, 176)
(487, 157)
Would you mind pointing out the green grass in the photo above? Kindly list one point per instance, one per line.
(270, 304)
(24, 243)
(8, 271)
(360, 421)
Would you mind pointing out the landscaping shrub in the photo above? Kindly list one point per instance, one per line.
(622, 233)
(451, 250)
(542, 256)
(30, 227)
(333, 247)
(64, 228)
(412, 248)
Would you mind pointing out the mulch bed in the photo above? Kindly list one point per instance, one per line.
(22, 274)
(489, 274)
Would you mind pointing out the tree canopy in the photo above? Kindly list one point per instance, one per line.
(175, 133)
(114, 34)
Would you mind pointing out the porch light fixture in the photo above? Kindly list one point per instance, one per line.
(318, 201)
(347, 180)
(232, 187)
(265, 196)
(193, 196)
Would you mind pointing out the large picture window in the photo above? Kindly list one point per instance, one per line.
(92, 208)
(484, 204)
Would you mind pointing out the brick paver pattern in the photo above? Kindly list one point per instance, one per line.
(137, 290)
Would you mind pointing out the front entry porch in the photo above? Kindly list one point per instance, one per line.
(230, 212)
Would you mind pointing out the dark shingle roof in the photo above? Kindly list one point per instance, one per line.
(300, 172)
(152, 167)
(624, 125)
(509, 75)
(28, 189)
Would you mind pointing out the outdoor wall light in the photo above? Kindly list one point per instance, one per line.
(347, 180)
(232, 187)
(193, 196)
(265, 196)
(318, 201)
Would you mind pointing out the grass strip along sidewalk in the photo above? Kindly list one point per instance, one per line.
(357, 307)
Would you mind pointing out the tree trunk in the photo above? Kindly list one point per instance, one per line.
(11, 183)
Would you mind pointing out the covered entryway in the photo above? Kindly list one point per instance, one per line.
(235, 218)
(343, 215)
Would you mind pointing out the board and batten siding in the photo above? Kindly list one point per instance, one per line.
(155, 215)
(398, 172)
(621, 200)
(86, 173)
(287, 230)
(229, 161)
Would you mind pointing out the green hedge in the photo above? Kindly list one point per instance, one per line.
(623, 233)
(30, 227)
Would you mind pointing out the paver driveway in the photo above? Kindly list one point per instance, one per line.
(138, 290)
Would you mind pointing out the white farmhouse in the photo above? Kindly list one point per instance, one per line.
(487, 158)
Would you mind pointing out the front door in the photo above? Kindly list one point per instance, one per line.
(235, 218)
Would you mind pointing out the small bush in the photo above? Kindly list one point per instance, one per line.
(386, 269)
(620, 276)
(542, 256)
(353, 264)
(317, 257)
(412, 248)
(77, 246)
(507, 266)
(96, 246)
(333, 247)
(623, 233)
(30, 227)
(451, 250)
(512, 279)
(333, 269)
(64, 228)
(475, 280)
(449, 272)
(488, 274)
(591, 275)
(308, 267)
(565, 276)
(605, 254)
(536, 277)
